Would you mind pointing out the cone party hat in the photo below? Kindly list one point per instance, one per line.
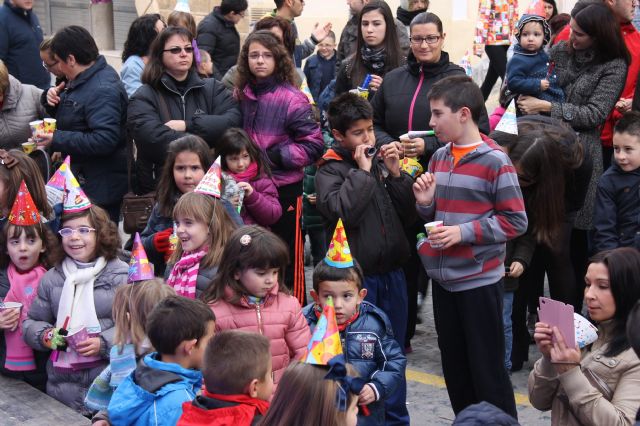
(211, 183)
(139, 267)
(24, 211)
(325, 341)
(55, 186)
(509, 123)
(339, 254)
(74, 200)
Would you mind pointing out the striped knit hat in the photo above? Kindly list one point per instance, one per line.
(534, 18)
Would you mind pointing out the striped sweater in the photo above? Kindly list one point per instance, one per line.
(481, 194)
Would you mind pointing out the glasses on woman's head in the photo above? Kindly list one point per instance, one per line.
(176, 50)
(254, 56)
(82, 230)
(430, 39)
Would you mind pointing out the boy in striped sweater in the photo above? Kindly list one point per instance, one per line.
(473, 188)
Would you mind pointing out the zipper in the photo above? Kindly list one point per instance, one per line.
(451, 167)
(413, 101)
(259, 316)
(182, 101)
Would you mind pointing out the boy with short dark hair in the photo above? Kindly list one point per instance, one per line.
(238, 382)
(473, 188)
(179, 329)
(320, 68)
(617, 208)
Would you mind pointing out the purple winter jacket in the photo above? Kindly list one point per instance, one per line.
(278, 117)
(262, 206)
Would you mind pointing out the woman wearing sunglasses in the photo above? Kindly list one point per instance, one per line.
(174, 101)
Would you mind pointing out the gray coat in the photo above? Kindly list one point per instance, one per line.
(71, 388)
(591, 91)
(203, 280)
(21, 105)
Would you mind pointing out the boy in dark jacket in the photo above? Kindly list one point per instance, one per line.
(365, 332)
(320, 68)
(617, 207)
(179, 329)
(238, 382)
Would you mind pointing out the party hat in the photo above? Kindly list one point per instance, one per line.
(55, 186)
(24, 211)
(211, 183)
(325, 341)
(182, 6)
(139, 267)
(74, 200)
(536, 7)
(509, 123)
(465, 63)
(339, 254)
(586, 333)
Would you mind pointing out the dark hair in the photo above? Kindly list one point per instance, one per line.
(141, 34)
(183, 19)
(176, 319)
(557, 23)
(155, 67)
(168, 192)
(26, 169)
(623, 264)
(597, 21)
(264, 249)
(459, 91)
(629, 123)
(52, 253)
(288, 37)
(233, 141)
(233, 359)
(555, 7)
(279, 4)
(426, 18)
(237, 6)
(633, 328)
(346, 109)
(107, 236)
(390, 44)
(323, 272)
(284, 71)
(77, 41)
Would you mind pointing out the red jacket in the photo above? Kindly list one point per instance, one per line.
(222, 410)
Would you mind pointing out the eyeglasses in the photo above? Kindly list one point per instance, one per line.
(241, 14)
(83, 231)
(431, 39)
(176, 50)
(47, 66)
(265, 55)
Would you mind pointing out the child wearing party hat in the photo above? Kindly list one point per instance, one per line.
(29, 248)
(364, 329)
(75, 298)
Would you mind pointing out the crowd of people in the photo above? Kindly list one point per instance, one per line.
(381, 151)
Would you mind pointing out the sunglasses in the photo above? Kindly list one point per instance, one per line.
(176, 50)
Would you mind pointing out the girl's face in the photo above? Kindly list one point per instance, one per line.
(177, 64)
(261, 61)
(258, 282)
(578, 38)
(238, 163)
(597, 293)
(24, 251)
(193, 235)
(373, 27)
(81, 244)
(532, 36)
(187, 171)
(426, 43)
(548, 10)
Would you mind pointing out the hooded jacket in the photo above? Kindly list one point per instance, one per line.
(236, 410)
(526, 69)
(21, 105)
(153, 394)
(374, 207)
(221, 39)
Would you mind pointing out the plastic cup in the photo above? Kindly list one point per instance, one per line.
(49, 125)
(430, 227)
(28, 147)
(37, 127)
(10, 305)
(78, 336)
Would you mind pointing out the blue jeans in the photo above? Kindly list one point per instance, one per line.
(507, 307)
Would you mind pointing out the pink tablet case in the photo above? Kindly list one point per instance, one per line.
(560, 315)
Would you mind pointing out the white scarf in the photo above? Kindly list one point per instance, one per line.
(76, 300)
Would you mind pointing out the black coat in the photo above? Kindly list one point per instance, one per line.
(207, 107)
(220, 38)
(91, 118)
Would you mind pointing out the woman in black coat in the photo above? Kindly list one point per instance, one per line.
(175, 101)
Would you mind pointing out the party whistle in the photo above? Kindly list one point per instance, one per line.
(413, 134)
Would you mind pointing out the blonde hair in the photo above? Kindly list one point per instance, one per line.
(132, 304)
(4, 78)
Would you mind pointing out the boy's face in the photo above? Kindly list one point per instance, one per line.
(326, 47)
(532, 36)
(264, 387)
(360, 133)
(346, 297)
(446, 123)
(626, 150)
(197, 353)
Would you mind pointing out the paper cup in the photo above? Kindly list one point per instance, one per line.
(10, 305)
(28, 147)
(37, 127)
(430, 226)
(78, 336)
(49, 125)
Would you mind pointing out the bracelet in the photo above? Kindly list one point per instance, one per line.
(314, 39)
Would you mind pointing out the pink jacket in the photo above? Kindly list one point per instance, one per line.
(279, 318)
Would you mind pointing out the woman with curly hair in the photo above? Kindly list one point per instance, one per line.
(278, 117)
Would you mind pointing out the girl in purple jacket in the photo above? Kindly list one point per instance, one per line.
(241, 158)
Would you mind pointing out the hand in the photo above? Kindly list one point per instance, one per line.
(413, 147)
(9, 319)
(542, 335)
(246, 187)
(177, 125)
(89, 347)
(623, 105)
(516, 269)
(311, 198)
(321, 32)
(531, 105)
(101, 423)
(391, 157)
(364, 162)
(544, 85)
(53, 94)
(375, 83)
(235, 200)
(563, 357)
(161, 242)
(56, 156)
(445, 236)
(367, 395)
(424, 188)
(44, 139)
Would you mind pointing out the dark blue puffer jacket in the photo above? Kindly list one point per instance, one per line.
(369, 346)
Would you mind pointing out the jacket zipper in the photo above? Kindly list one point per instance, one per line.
(184, 108)
(451, 167)
(259, 316)
(413, 101)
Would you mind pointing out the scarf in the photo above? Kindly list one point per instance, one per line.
(405, 16)
(247, 175)
(374, 58)
(184, 275)
(121, 364)
(23, 289)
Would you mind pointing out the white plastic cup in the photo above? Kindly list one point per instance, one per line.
(431, 226)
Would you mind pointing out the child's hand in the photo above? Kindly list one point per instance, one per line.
(9, 319)
(424, 188)
(364, 162)
(312, 199)
(89, 347)
(248, 189)
(544, 85)
(367, 395)
(391, 157)
(376, 82)
(516, 269)
(444, 237)
(623, 105)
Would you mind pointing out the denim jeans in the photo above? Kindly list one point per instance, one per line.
(507, 306)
